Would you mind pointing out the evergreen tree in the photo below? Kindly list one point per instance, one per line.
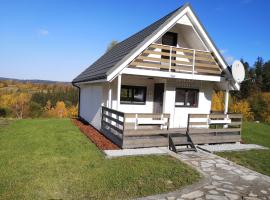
(259, 72)
(266, 77)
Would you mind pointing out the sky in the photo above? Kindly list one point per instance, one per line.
(58, 39)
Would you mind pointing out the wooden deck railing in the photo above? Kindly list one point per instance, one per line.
(176, 59)
(132, 130)
(215, 123)
(112, 119)
(138, 124)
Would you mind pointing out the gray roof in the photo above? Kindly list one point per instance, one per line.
(112, 58)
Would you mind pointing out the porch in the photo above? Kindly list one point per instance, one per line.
(134, 130)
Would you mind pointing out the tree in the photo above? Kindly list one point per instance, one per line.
(218, 102)
(259, 72)
(19, 104)
(111, 45)
(73, 111)
(35, 110)
(266, 77)
(60, 109)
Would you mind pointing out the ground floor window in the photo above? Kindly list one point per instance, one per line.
(186, 97)
(133, 94)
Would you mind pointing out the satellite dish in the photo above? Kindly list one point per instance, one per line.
(238, 71)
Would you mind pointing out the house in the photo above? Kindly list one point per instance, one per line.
(160, 82)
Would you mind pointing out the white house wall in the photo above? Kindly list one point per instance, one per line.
(91, 100)
(179, 115)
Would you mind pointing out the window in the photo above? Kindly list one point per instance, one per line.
(133, 94)
(186, 98)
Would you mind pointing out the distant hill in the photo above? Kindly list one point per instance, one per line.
(34, 81)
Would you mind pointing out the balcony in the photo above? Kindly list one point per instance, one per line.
(178, 60)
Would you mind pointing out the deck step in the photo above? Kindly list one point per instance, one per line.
(183, 144)
(185, 149)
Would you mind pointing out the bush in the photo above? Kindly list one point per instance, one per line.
(243, 107)
(5, 112)
(35, 110)
(260, 106)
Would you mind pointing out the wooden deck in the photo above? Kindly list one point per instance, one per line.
(117, 127)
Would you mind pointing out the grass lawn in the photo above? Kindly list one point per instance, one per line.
(51, 159)
(258, 160)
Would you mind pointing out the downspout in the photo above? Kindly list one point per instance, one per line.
(79, 100)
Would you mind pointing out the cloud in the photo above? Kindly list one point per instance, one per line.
(223, 51)
(229, 59)
(43, 32)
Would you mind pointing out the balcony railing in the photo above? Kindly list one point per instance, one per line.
(176, 59)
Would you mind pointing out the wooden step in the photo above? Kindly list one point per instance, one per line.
(185, 149)
(183, 144)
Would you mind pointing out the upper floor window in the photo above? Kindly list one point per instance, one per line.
(186, 97)
(133, 94)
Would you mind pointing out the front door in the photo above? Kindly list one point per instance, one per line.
(158, 97)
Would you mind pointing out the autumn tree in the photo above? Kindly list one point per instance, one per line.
(17, 102)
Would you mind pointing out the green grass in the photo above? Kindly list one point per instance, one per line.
(258, 160)
(51, 159)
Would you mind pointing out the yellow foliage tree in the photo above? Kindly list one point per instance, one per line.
(218, 102)
(73, 111)
(242, 106)
(17, 102)
(266, 111)
(235, 106)
(59, 110)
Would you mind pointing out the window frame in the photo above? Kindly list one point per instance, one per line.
(132, 102)
(186, 98)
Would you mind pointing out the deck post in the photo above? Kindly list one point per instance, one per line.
(193, 61)
(110, 97)
(170, 61)
(118, 90)
(226, 102)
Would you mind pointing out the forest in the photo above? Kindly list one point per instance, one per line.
(25, 99)
(32, 100)
(253, 99)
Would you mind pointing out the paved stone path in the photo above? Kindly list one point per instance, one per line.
(223, 180)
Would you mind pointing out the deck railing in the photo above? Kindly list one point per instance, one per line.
(112, 119)
(177, 59)
(132, 124)
(215, 123)
(132, 130)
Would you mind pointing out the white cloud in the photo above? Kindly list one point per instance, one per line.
(229, 59)
(223, 51)
(43, 32)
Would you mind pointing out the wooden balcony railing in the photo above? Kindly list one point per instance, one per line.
(175, 59)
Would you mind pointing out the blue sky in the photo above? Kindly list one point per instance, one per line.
(57, 39)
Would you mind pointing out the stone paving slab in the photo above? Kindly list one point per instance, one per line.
(230, 147)
(136, 152)
(223, 180)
